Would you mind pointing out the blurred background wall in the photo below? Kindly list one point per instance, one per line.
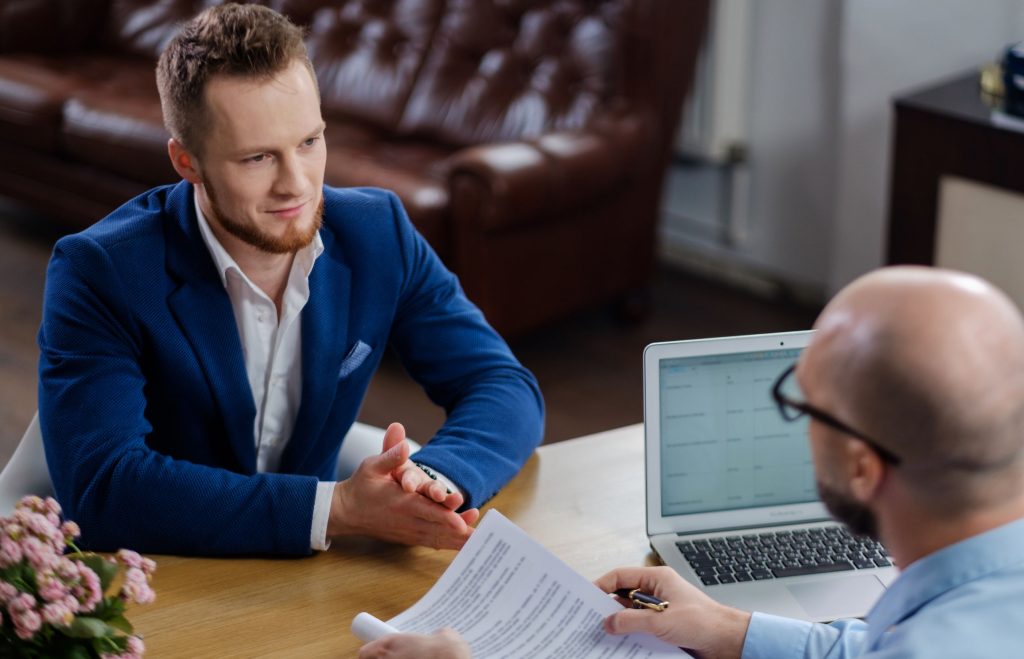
(793, 194)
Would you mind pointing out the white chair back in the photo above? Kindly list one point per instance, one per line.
(361, 442)
(26, 472)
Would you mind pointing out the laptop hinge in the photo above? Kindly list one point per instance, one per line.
(751, 527)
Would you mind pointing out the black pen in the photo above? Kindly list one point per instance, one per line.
(642, 600)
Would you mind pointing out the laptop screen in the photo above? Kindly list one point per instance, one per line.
(724, 445)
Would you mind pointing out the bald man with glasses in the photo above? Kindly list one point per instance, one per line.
(914, 385)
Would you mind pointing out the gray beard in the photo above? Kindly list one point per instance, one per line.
(857, 517)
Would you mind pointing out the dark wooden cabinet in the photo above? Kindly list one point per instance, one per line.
(945, 130)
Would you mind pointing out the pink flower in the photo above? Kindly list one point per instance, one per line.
(27, 624)
(136, 587)
(89, 592)
(43, 528)
(57, 613)
(31, 502)
(51, 588)
(10, 551)
(66, 569)
(129, 558)
(70, 531)
(133, 650)
(7, 593)
(52, 506)
(72, 604)
(135, 645)
(39, 555)
(24, 616)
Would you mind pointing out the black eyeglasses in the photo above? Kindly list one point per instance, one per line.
(792, 409)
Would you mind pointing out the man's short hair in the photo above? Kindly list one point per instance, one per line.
(247, 41)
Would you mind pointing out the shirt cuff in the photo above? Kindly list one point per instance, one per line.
(771, 636)
(446, 481)
(318, 539)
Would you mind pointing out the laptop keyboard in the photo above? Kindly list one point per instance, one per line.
(778, 554)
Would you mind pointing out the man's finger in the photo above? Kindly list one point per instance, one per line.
(394, 435)
(412, 478)
(470, 516)
(629, 621)
(453, 501)
(623, 577)
(389, 460)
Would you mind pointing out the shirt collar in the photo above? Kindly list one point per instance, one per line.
(304, 258)
(944, 570)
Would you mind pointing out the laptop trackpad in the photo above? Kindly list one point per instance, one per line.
(837, 598)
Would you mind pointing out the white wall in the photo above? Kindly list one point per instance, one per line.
(822, 77)
(792, 157)
(889, 47)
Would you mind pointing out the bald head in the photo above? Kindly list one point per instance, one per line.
(930, 363)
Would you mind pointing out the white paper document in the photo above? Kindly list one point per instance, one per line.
(511, 598)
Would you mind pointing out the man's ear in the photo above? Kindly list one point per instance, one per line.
(865, 469)
(183, 162)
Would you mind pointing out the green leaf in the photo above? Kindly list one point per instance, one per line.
(104, 569)
(109, 607)
(120, 622)
(78, 652)
(86, 627)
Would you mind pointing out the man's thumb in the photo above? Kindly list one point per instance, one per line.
(395, 454)
(395, 434)
(628, 621)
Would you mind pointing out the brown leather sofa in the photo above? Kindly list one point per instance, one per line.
(527, 138)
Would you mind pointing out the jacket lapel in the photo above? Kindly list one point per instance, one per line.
(325, 321)
(203, 310)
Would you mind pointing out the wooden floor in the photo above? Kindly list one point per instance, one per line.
(589, 367)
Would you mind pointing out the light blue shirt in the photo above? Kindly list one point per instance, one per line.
(965, 600)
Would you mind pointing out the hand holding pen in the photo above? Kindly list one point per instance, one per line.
(641, 600)
(694, 621)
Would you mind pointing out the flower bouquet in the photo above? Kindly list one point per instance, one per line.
(57, 604)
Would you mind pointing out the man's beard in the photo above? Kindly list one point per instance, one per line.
(291, 241)
(856, 516)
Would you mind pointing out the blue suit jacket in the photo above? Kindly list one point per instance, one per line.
(146, 411)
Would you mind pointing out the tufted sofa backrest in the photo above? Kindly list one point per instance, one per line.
(512, 69)
(368, 53)
(457, 71)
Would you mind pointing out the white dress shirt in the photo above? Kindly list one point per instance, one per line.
(272, 348)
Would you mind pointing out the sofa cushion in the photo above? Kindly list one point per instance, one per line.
(33, 89)
(367, 55)
(512, 70)
(116, 124)
(416, 172)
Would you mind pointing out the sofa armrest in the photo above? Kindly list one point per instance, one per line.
(519, 183)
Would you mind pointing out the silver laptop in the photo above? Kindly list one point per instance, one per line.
(731, 498)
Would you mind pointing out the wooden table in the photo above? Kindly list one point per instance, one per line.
(583, 499)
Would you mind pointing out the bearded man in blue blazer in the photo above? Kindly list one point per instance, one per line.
(206, 347)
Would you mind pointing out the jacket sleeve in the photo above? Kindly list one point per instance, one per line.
(92, 410)
(495, 412)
